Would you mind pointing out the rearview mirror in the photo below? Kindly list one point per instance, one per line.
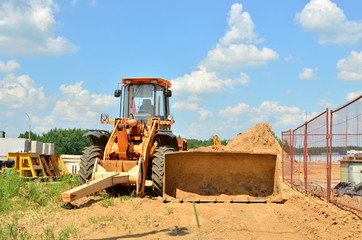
(118, 93)
(169, 93)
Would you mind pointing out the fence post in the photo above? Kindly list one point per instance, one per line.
(329, 155)
(292, 158)
(305, 157)
(282, 156)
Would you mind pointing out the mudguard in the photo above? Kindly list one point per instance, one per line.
(166, 138)
(98, 137)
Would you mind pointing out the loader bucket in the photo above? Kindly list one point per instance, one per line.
(221, 177)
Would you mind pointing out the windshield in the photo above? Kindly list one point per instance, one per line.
(141, 102)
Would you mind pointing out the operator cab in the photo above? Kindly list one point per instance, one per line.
(144, 98)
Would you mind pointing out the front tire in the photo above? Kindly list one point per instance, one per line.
(87, 160)
(158, 168)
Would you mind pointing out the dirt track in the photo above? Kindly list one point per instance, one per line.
(300, 217)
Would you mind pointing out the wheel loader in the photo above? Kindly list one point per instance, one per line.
(141, 149)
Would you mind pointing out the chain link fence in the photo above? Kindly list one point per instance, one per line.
(324, 155)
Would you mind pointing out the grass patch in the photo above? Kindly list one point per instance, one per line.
(125, 197)
(108, 201)
(13, 231)
(96, 220)
(169, 210)
(48, 234)
(67, 232)
(18, 196)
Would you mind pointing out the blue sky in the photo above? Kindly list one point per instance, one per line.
(232, 64)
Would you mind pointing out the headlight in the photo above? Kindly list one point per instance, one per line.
(170, 118)
(104, 117)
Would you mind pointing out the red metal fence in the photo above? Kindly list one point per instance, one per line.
(321, 153)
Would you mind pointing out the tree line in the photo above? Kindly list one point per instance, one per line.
(196, 143)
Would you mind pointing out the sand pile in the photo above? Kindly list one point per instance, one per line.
(258, 139)
(209, 148)
(205, 149)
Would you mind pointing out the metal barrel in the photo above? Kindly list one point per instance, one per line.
(221, 176)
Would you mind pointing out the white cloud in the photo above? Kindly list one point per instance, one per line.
(233, 111)
(267, 111)
(9, 114)
(74, 2)
(28, 28)
(10, 66)
(197, 82)
(205, 114)
(193, 130)
(308, 73)
(244, 80)
(351, 67)
(193, 98)
(202, 81)
(294, 120)
(189, 106)
(328, 23)
(326, 104)
(275, 108)
(233, 52)
(241, 27)
(77, 104)
(237, 56)
(18, 92)
(185, 106)
(353, 95)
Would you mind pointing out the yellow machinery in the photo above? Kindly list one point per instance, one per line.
(217, 143)
(142, 147)
(35, 165)
(54, 165)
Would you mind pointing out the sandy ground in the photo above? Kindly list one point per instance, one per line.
(299, 217)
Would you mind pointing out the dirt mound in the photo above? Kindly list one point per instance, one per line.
(205, 149)
(258, 139)
(209, 148)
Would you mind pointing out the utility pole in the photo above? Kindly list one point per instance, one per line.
(29, 126)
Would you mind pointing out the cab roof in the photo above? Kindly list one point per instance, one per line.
(160, 81)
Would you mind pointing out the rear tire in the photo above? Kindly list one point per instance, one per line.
(158, 168)
(87, 160)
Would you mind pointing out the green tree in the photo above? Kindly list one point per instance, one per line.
(280, 141)
(196, 143)
(33, 136)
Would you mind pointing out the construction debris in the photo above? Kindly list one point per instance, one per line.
(347, 188)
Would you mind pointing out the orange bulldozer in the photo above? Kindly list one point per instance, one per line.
(141, 151)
